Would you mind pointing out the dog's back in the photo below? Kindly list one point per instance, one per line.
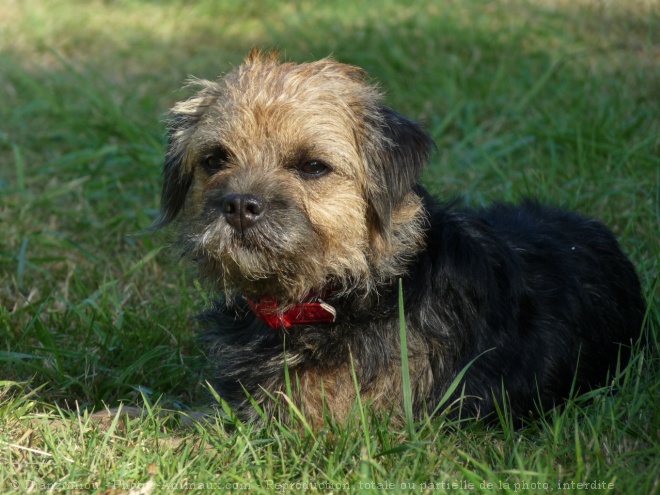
(557, 305)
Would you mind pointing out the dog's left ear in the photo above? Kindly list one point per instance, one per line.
(394, 165)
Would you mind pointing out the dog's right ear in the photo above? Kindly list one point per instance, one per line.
(177, 178)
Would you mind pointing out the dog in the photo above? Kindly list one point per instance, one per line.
(295, 192)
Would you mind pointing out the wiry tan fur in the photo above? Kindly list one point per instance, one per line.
(331, 392)
(267, 114)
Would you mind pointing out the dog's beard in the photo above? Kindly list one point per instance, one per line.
(267, 260)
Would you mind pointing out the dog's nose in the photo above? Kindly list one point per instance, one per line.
(242, 211)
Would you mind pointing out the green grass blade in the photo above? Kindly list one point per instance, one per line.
(405, 369)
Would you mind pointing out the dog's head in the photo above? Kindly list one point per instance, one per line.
(286, 178)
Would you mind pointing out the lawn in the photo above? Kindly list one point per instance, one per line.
(554, 99)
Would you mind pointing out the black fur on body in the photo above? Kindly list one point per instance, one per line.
(542, 299)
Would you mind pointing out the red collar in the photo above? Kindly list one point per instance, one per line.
(313, 311)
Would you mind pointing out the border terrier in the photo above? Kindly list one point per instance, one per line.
(296, 194)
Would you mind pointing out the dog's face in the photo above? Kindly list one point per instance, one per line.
(289, 178)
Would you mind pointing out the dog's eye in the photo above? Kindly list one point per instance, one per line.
(313, 168)
(215, 161)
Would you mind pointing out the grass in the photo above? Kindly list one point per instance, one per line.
(553, 99)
